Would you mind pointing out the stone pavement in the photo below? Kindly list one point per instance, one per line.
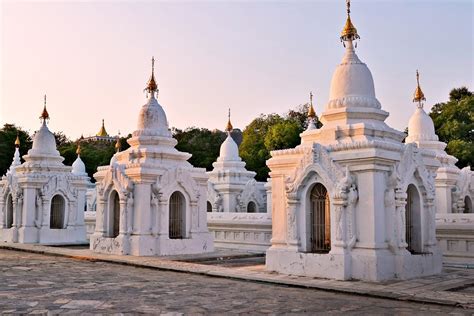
(39, 284)
(454, 287)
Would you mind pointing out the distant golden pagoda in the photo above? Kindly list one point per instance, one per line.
(102, 132)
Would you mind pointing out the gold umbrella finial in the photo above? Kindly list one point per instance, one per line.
(17, 140)
(78, 150)
(311, 112)
(152, 87)
(229, 126)
(418, 95)
(349, 32)
(44, 115)
(118, 145)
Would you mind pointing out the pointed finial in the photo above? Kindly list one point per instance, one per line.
(78, 150)
(152, 87)
(17, 140)
(229, 126)
(102, 132)
(418, 95)
(349, 32)
(44, 115)
(311, 112)
(118, 145)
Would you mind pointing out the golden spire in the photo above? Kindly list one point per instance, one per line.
(118, 145)
(152, 87)
(78, 150)
(349, 32)
(229, 126)
(44, 115)
(311, 112)
(418, 95)
(102, 132)
(17, 140)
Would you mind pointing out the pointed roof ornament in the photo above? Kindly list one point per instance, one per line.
(418, 95)
(311, 112)
(78, 150)
(118, 145)
(152, 87)
(44, 115)
(229, 126)
(349, 32)
(17, 140)
(102, 132)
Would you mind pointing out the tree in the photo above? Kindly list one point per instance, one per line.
(454, 125)
(203, 144)
(7, 145)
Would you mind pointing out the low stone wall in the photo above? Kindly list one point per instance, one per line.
(246, 231)
(89, 219)
(455, 234)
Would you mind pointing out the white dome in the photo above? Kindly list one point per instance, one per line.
(44, 142)
(229, 150)
(78, 167)
(352, 84)
(152, 119)
(421, 127)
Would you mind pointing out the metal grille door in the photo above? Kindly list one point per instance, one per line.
(9, 219)
(116, 215)
(57, 212)
(320, 220)
(176, 216)
(251, 207)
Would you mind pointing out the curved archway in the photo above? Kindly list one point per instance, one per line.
(413, 220)
(58, 208)
(468, 205)
(320, 220)
(177, 214)
(9, 213)
(114, 214)
(209, 207)
(251, 207)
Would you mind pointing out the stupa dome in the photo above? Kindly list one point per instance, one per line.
(152, 118)
(352, 84)
(229, 150)
(78, 167)
(44, 142)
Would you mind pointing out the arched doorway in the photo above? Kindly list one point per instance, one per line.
(177, 215)
(9, 213)
(209, 207)
(468, 205)
(413, 220)
(58, 206)
(114, 211)
(320, 220)
(251, 207)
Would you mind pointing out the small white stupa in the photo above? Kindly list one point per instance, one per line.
(352, 201)
(41, 200)
(231, 187)
(454, 187)
(150, 200)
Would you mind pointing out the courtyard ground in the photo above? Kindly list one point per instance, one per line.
(37, 283)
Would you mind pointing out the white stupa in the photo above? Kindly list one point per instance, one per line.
(454, 187)
(41, 200)
(150, 200)
(347, 202)
(232, 188)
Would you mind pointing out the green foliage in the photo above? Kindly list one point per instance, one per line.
(7, 145)
(272, 132)
(202, 143)
(454, 125)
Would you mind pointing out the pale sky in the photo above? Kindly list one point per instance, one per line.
(92, 58)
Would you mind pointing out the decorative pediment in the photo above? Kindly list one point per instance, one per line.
(57, 184)
(251, 192)
(168, 181)
(411, 164)
(315, 158)
(115, 178)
